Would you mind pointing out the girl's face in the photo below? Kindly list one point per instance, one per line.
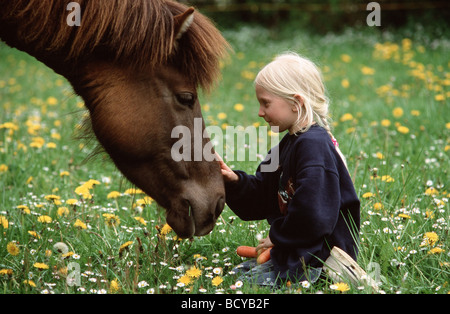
(276, 111)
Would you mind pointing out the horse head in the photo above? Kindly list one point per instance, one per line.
(138, 66)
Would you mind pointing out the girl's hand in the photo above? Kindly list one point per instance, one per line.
(227, 173)
(264, 244)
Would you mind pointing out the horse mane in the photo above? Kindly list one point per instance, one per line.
(138, 33)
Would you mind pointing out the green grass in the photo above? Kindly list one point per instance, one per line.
(368, 76)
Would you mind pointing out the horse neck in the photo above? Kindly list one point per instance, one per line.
(9, 33)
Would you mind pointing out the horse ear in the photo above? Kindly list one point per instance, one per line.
(182, 22)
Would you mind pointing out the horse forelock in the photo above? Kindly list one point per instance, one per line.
(131, 32)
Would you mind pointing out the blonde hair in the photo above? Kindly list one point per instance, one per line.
(290, 74)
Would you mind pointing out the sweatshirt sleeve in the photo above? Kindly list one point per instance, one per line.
(253, 197)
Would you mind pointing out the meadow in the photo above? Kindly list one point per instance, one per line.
(70, 223)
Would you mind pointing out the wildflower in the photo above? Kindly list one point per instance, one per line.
(367, 71)
(34, 234)
(30, 283)
(45, 219)
(72, 201)
(68, 254)
(64, 174)
(397, 112)
(345, 83)
(429, 239)
(385, 122)
(114, 286)
(133, 191)
(141, 220)
(368, 194)
(12, 249)
(216, 281)
(6, 271)
(346, 117)
(431, 191)
(113, 194)
(403, 129)
(193, 272)
(3, 168)
(387, 178)
(340, 286)
(79, 224)
(24, 209)
(4, 222)
(111, 220)
(346, 58)
(436, 250)
(52, 101)
(84, 192)
(239, 107)
(404, 216)
(184, 281)
(143, 284)
(124, 246)
(222, 115)
(63, 211)
(165, 229)
(41, 266)
(378, 206)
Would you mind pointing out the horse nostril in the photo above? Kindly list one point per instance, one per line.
(219, 206)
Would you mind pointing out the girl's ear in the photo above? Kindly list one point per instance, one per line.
(299, 100)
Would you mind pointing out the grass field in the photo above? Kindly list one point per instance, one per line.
(390, 105)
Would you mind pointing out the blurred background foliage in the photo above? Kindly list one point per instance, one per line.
(322, 16)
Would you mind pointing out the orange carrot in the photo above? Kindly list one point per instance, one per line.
(246, 251)
(263, 257)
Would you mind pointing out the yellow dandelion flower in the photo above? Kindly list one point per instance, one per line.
(429, 239)
(113, 194)
(4, 222)
(378, 206)
(52, 101)
(367, 71)
(141, 220)
(345, 83)
(194, 272)
(12, 249)
(63, 211)
(165, 229)
(34, 234)
(387, 178)
(431, 191)
(346, 58)
(72, 201)
(405, 216)
(185, 280)
(45, 219)
(64, 174)
(385, 122)
(379, 155)
(3, 168)
(403, 129)
(79, 224)
(40, 266)
(114, 286)
(111, 220)
(6, 272)
(340, 286)
(216, 281)
(397, 112)
(415, 113)
(346, 117)
(24, 209)
(436, 250)
(30, 283)
(368, 194)
(222, 115)
(239, 107)
(439, 97)
(125, 245)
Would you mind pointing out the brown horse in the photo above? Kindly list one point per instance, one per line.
(137, 64)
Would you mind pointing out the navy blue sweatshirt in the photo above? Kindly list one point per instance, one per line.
(310, 202)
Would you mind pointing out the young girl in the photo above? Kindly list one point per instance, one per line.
(309, 202)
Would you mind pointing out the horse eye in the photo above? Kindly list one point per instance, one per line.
(186, 99)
